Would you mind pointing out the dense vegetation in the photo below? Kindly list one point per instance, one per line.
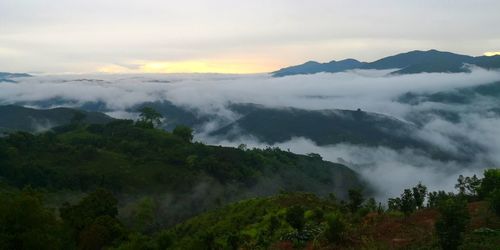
(465, 220)
(133, 159)
(127, 185)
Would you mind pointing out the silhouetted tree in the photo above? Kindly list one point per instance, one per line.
(150, 118)
(407, 202)
(419, 194)
(394, 204)
(490, 181)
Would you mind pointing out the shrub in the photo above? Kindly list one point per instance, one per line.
(336, 227)
(452, 222)
(295, 217)
(494, 199)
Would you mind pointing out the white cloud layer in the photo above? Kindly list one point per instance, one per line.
(374, 91)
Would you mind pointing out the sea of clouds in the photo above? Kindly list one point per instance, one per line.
(389, 170)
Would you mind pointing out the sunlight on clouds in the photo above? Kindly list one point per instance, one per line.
(201, 66)
(114, 69)
(492, 53)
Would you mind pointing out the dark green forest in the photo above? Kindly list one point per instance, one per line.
(128, 185)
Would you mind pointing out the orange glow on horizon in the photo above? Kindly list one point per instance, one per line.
(195, 66)
(492, 53)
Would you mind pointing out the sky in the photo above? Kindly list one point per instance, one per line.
(227, 36)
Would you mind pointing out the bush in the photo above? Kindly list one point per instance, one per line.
(490, 182)
(452, 223)
(494, 199)
(295, 217)
(336, 227)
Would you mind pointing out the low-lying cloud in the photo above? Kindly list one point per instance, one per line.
(477, 132)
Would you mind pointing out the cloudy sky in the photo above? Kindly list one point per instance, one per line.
(227, 36)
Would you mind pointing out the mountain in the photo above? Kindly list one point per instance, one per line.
(312, 67)
(324, 127)
(7, 77)
(18, 118)
(412, 62)
(189, 177)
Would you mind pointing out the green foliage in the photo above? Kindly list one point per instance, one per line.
(452, 222)
(407, 202)
(494, 199)
(336, 227)
(150, 118)
(96, 204)
(490, 182)
(468, 186)
(436, 197)
(183, 132)
(26, 224)
(419, 194)
(92, 220)
(295, 217)
(143, 215)
(482, 238)
(355, 199)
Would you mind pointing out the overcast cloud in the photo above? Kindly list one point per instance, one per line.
(261, 35)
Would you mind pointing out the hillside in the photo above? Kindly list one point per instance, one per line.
(412, 62)
(324, 127)
(18, 118)
(132, 161)
(262, 223)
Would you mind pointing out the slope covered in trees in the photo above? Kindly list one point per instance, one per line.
(133, 159)
(468, 219)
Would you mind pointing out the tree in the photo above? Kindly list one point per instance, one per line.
(452, 222)
(468, 186)
(98, 203)
(92, 221)
(150, 118)
(371, 205)
(355, 199)
(143, 215)
(26, 224)
(335, 228)
(394, 204)
(407, 202)
(295, 217)
(183, 132)
(473, 184)
(494, 199)
(490, 181)
(419, 194)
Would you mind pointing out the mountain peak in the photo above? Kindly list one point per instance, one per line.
(416, 61)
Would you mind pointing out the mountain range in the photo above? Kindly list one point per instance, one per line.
(7, 77)
(413, 62)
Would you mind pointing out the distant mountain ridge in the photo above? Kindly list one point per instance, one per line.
(18, 118)
(7, 77)
(431, 61)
